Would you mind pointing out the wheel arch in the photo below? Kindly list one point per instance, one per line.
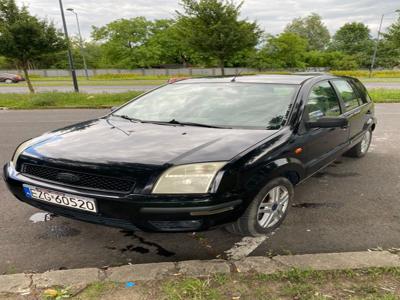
(289, 168)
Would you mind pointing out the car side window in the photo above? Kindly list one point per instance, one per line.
(322, 102)
(350, 98)
(363, 91)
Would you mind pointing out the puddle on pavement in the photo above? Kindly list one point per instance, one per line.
(41, 217)
(338, 175)
(131, 248)
(316, 205)
(59, 231)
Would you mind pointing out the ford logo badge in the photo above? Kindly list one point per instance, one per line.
(68, 177)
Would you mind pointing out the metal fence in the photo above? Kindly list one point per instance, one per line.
(143, 72)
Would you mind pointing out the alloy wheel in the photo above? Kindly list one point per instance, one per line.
(273, 207)
(365, 142)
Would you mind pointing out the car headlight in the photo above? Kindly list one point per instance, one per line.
(21, 149)
(188, 179)
(25, 145)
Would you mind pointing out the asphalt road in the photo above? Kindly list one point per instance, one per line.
(22, 89)
(353, 205)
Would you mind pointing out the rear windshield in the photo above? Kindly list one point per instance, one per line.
(219, 104)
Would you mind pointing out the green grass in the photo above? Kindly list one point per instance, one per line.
(385, 95)
(292, 284)
(96, 290)
(373, 283)
(366, 80)
(82, 100)
(365, 73)
(64, 100)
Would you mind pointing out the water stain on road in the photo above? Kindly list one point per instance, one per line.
(336, 175)
(139, 249)
(159, 249)
(59, 231)
(317, 205)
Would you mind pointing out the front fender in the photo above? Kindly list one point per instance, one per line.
(291, 168)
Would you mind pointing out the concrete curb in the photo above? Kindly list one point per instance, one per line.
(80, 278)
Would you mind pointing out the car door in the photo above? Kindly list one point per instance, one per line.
(322, 145)
(354, 110)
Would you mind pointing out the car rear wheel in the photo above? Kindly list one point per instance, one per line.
(361, 149)
(9, 81)
(267, 211)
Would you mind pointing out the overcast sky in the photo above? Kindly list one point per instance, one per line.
(272, 15)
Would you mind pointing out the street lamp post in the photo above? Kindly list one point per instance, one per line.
(377, 42)
(70, 58)
(80, 42)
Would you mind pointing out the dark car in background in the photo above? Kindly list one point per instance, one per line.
(10, 78)
(197, 153)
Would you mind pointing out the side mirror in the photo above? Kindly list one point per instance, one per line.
(328, 122)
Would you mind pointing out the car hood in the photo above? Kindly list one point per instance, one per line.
(117, 141)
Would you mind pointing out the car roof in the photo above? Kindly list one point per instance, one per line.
(272, 78)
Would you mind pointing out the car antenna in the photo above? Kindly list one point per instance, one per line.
(236, 75)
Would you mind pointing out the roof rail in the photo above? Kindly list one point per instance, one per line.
(311, 73)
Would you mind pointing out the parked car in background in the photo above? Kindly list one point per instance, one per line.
(10, 78)
(197, 153)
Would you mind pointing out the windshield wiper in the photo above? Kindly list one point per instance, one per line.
(128, 118)
(193, 124)
(172, 122)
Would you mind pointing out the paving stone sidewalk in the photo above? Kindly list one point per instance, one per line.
(80, 278)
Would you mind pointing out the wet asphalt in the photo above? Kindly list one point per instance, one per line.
(353, 205)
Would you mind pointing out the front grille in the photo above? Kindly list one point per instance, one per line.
(84, 180)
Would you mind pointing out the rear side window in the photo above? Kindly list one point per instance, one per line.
(322, 102)
(362, 90)
(350, 97)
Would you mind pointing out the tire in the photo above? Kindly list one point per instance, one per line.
(256, 223)
(361, 149)
(8, 81)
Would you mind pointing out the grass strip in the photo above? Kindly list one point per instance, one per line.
(372, 283)
(64, 100)
(385, 95)
(82, 100)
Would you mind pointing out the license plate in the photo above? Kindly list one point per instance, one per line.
(60, 199)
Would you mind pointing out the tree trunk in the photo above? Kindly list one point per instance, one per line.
(222, 66)
(28, 80)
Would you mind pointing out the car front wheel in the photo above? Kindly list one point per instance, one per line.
(9, 81)
(267, 210)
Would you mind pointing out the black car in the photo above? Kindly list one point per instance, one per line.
(197, 153)
(10, 78)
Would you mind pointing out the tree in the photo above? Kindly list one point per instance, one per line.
(286, 50)
(312, 29)
(354, 39)
(393, 33)
(331, 59)
(213, 29)
(122, 42)
(138, 42)
(25, 38)
(388, 54)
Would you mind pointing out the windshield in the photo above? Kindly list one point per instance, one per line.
(216, 104)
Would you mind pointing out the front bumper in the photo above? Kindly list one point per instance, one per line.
(145, 212)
